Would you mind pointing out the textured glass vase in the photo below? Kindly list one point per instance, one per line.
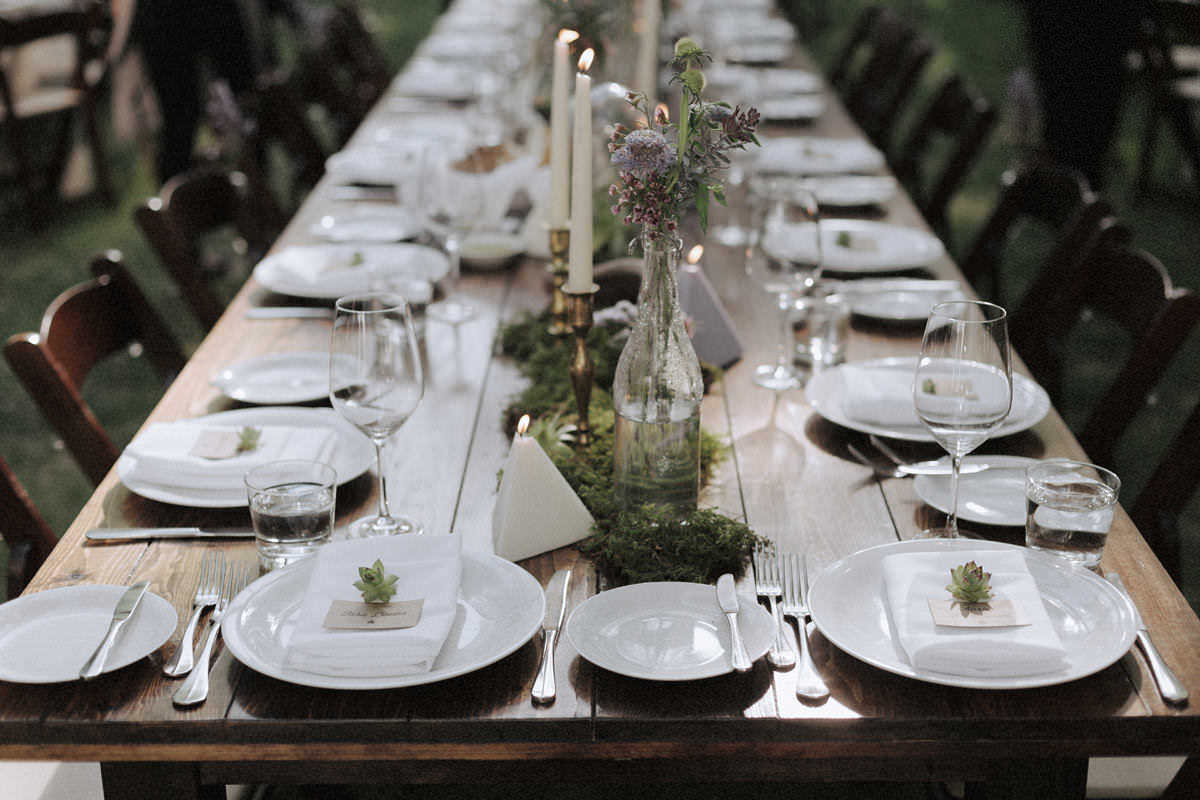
(657, 392)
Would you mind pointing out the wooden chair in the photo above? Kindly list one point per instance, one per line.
(1044, 194)
(88, 26)
(193, 205)
(957, 121)
(83, 326)
(24, 530)
(840, 70)
(1174, 89)
(1172, 484)
(278, 120)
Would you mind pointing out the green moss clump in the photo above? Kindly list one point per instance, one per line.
(652, 543)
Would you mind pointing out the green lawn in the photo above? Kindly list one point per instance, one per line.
(982, 40)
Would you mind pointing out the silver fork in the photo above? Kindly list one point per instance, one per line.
(195, 688)
(207, 594)
(809, 685)
(882, 472)
(766, 584)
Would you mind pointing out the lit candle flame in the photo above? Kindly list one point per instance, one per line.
(585, 60)
(523, 425)
(567, 36)
(693, 256)
(662, 111)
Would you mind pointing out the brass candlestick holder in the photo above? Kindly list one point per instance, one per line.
(560, 246)
(581, 366)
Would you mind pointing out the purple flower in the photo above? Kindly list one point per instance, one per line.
(645, 153)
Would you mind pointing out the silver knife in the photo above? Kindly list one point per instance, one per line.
(289, 312)
(133, 534)
(728, 601)
(121, 614)
(940, 467)
(1168, 685)
(544, 689)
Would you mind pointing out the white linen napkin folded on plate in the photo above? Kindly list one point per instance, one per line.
(162, 453)
(878, 396)
(312, 264)
(910, 579)
(427, 567)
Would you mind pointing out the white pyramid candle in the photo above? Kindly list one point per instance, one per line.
(537, 510)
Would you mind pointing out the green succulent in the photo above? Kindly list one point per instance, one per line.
(375, 584)
(248, 439)
(969, 584)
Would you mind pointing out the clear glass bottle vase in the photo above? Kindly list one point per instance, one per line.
(657, 392)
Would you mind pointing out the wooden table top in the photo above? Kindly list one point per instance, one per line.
(443, 470)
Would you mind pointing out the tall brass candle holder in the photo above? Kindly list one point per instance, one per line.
(560, 246)
(581, 367)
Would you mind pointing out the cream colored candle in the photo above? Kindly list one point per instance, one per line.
(579, 275)
(560, 127)
(647, 63)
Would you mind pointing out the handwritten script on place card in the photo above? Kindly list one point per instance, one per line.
(216, 444)
(999, 612)
(349, 615)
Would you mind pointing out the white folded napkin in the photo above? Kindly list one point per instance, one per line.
(162, 453)
(428, 568)
(878, 396)
(910, 579)
(313, 264)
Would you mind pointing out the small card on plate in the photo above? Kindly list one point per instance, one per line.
(216, 445)
(350, 615)
(999, 612)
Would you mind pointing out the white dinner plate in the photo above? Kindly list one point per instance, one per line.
(330, 271)
(995, 496)
(798, 107)
(1094, 621)
(764, 82)
(375, 163)
(856, 246)
(489, 250)
(814, 155)
(500, 607)
(276, 379)
(825, 389)
(665, 631)
(47, 637)
(383, 224)
(851, 191)
(426, 77)
(898, 299)
(353, 456)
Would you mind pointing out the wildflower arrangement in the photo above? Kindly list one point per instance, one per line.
(657, 179)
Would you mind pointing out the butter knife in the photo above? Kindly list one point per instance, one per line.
(1168, 685)
(134, 534)
(728, 601)
(289, 312)
(544, 689)
(121, 614)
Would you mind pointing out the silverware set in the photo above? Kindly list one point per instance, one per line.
(784, 577)
(232, 579)
(906, 469)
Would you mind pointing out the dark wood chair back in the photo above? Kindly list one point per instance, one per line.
(88, 25)
(961, 119)
(1051, 196)
(1157, 509)
(895, 55)
(23, 530)
(847, 57)
(1168, 23)
(280, 120)
(193, 205)
(83, 326)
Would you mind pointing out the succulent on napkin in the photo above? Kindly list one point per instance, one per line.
(375, 584)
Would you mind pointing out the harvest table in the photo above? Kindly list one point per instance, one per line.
(603, 727)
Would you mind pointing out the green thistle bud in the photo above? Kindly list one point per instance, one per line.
(687, 48)
(693, 79)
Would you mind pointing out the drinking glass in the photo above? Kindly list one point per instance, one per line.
(962, 389)
(785, 259)
(376, 382)
(451, 198)
(291, 507)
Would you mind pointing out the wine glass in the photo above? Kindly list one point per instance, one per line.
(784, 256)
(451, 198)
(962, 389)
(375, 382)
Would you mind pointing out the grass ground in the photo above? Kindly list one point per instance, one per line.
(981, 40)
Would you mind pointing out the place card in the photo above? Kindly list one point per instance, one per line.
(216, 445)
(349, 615)
(999, 612)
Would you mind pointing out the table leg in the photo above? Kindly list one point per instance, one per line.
(136, 780)
(1035, 779)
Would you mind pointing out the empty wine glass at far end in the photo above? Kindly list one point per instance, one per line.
(376, 382)
(962, 389)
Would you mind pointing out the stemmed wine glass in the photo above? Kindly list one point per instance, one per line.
(962, 389)
(785, 258)
(451, 198)
(376, 382)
